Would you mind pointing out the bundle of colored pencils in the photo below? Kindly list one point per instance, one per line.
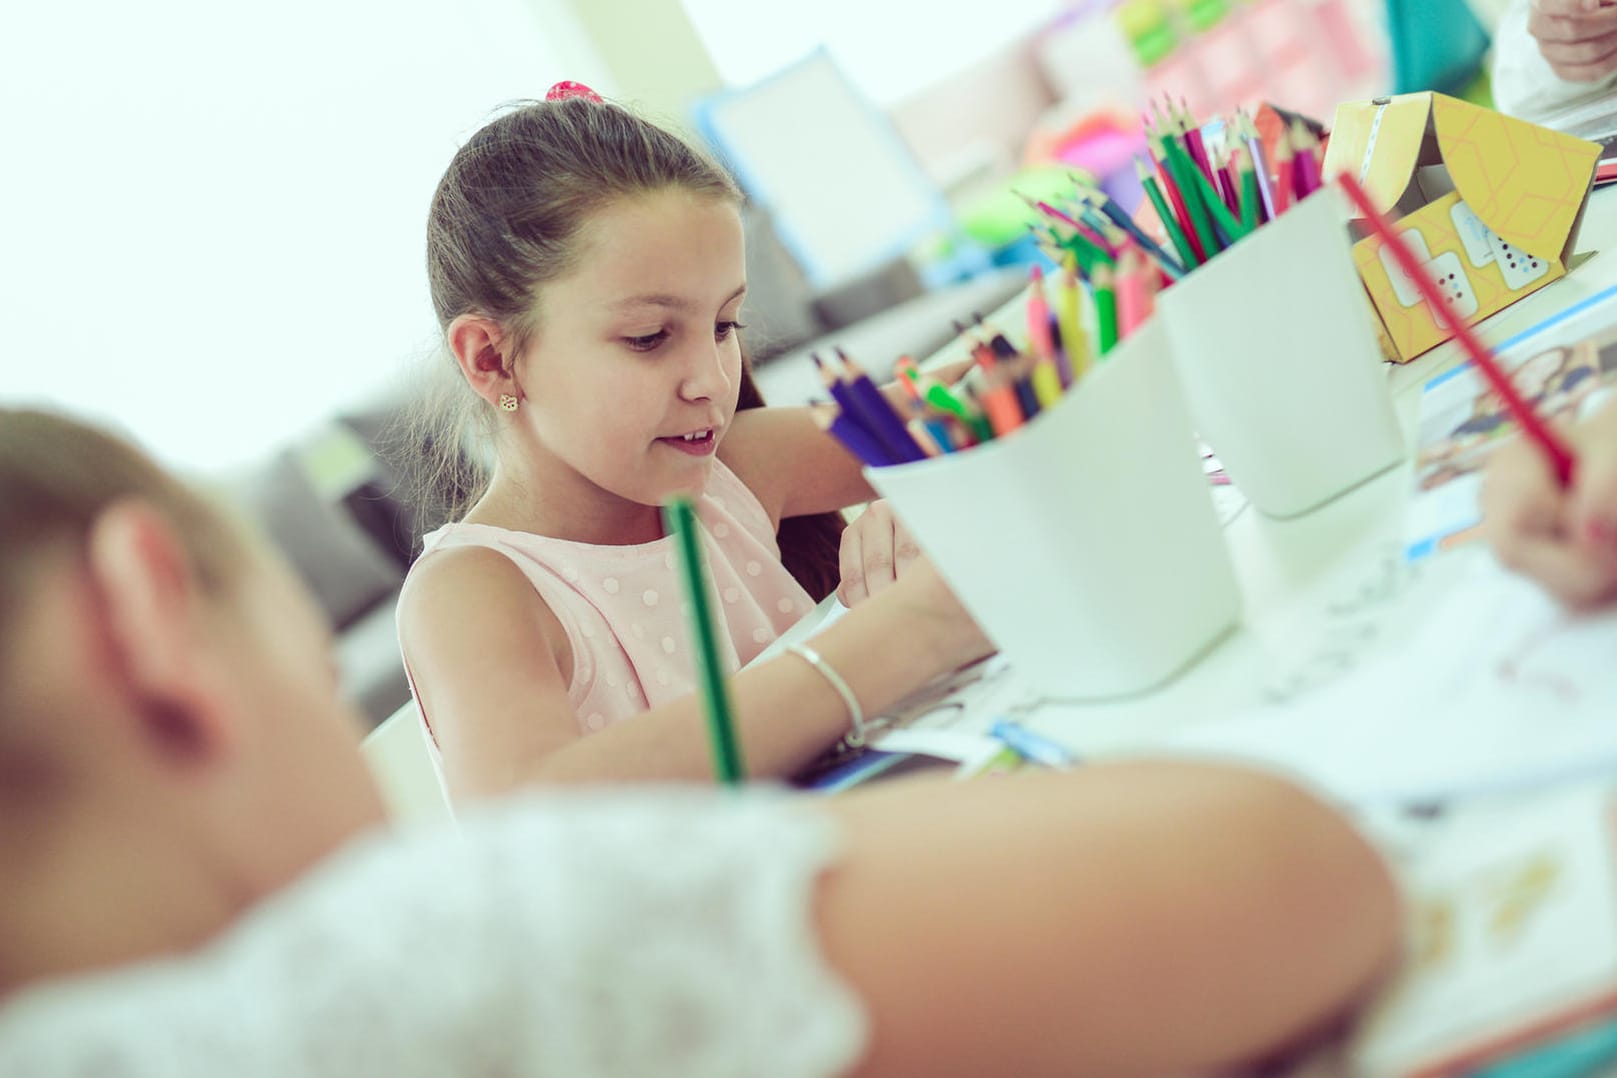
(1209, 193)
(1006, 386)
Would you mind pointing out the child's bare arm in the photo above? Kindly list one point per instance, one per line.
(1130, 919)
(491, 682)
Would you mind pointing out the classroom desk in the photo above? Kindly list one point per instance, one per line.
(1326, 591)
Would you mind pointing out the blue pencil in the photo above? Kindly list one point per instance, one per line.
(1030, 746)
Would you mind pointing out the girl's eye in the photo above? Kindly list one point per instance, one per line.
(648, 342)
(722, 330)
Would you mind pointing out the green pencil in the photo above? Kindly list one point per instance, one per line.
(1185, 174)
(680, 518)
(1181, 242)
(939, 397)
(1251, 200)
(1105, 295)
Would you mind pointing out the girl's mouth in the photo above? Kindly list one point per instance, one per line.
(697, 443)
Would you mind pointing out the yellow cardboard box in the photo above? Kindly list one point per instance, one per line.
(1491, 204)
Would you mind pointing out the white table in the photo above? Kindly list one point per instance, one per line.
(1327, 590)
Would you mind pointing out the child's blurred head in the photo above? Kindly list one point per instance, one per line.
(587, 268)
(166, 690)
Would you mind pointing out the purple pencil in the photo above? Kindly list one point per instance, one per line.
(1260, 166)
(856, 439)
(878, 414)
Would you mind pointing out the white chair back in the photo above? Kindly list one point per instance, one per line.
(401, 760)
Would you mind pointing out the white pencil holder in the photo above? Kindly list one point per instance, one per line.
(1276, 349)
(1085, 543)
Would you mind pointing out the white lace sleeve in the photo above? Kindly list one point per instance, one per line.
(665, 933)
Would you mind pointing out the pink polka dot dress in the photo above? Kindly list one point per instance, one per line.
(623, 607)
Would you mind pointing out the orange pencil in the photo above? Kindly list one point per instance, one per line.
(909, 376)
(997, 398)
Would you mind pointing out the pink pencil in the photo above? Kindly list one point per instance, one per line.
(1133, 291)
(1038, 316)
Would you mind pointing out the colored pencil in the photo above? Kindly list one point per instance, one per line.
(1132, 298)
(999, 403)
(1195, 146)
(873, 407)
(1185, 177)
(1069, 316)
(970, 416)
(1035, 748)
(1285, 156)
(1170, 223)
(1555, 451)
(1221, 218)
(680, 517)
(1306, 168)
(1176, 198)
(1260, 165)
(855, 439)
(1084, 231)
(1123, 221)
(1105, 310)
(909, 376)
(1038, 316)
(1250, 202)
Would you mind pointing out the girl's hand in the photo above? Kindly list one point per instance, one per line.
(954, 634)
(1578, 38)
(876, 550)
(1566, 539)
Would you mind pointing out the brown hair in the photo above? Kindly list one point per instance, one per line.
(58, 475)
(504, 220)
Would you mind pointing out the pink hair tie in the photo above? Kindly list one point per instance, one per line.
(567, 88)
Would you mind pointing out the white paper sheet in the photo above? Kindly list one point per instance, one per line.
(1500, 690)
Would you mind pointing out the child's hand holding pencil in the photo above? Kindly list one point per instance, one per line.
(1565, 537)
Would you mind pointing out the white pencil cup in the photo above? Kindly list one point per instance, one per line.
(1085, 543)
(1276, 349)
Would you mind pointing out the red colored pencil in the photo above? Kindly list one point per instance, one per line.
(1555, 451)
(1284, 173)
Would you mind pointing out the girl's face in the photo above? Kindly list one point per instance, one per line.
(631, 381)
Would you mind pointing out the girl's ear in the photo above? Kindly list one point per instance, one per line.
(478, 343)
(153, 603)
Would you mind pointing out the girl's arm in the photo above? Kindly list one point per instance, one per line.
(1129, 919)
(794, 468)
(488, 658)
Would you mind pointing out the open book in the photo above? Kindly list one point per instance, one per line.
(1565, 366)
(1512, 912)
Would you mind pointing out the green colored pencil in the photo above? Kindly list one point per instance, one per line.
(1184, 174)
(1250, 201)
(1214, 201)
(1181, 242)
(680, 518)
(939, 397)
(1105, 309)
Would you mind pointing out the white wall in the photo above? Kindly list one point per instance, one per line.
(889, 49)
(215, 213)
